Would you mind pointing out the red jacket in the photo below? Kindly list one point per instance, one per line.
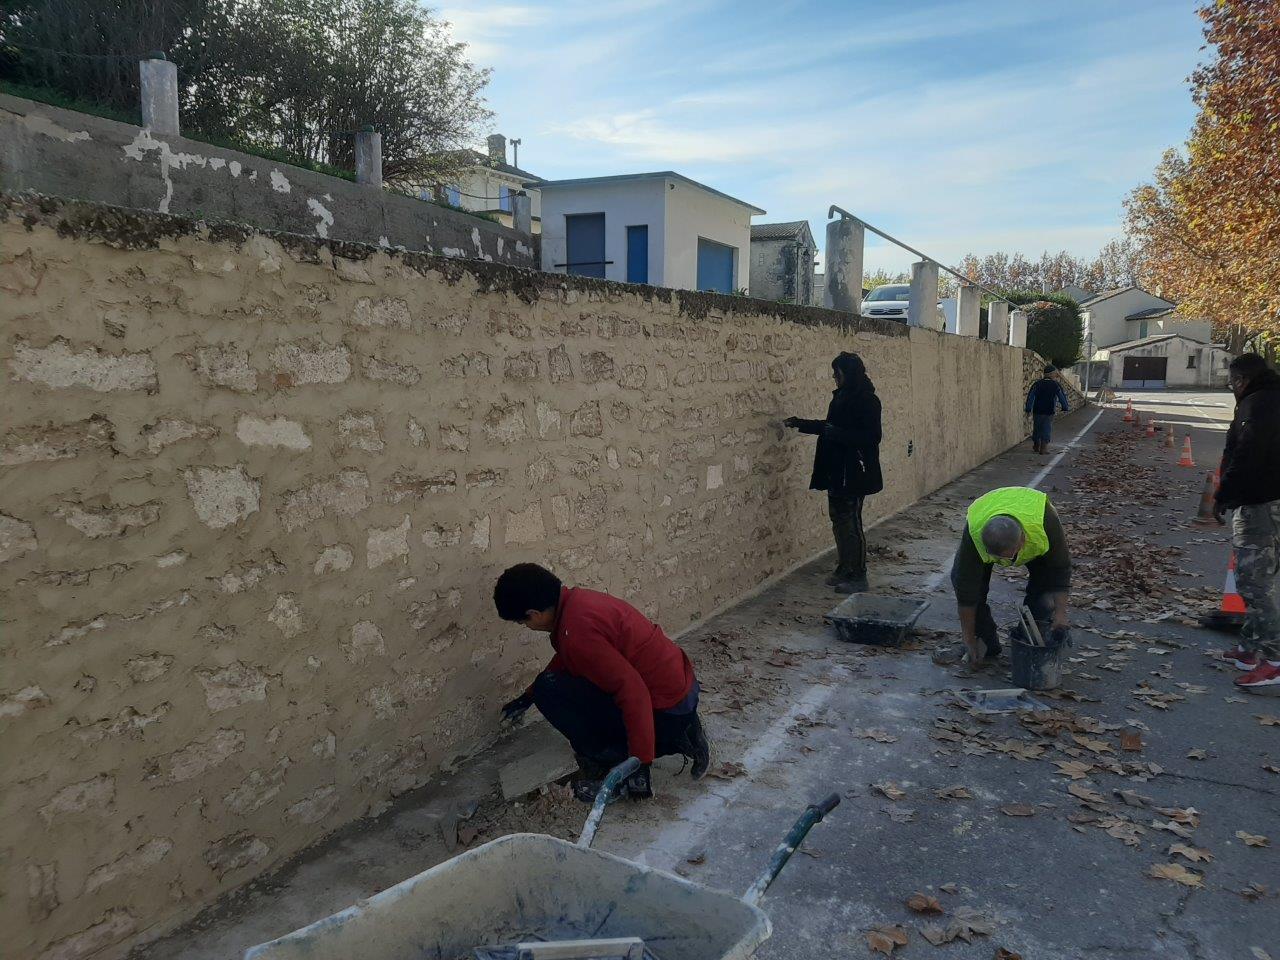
(609, 642)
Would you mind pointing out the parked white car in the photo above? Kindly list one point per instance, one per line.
(889, 302)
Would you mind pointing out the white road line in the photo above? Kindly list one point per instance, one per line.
(697, 817)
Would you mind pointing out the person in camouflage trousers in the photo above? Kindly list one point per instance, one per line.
(1251, 487)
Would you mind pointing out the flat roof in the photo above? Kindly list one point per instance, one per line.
(657, 175)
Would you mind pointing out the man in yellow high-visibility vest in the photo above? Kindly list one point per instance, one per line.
(1010, 526)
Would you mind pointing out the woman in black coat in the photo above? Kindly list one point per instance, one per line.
(847, 465)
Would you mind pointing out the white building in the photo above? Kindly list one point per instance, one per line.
(1130, 313)
(487, 183)
(657, 228)
(1165, 360)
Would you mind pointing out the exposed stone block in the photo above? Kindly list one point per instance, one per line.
(423, 613)
(715, 476)
(550, 421)
(22, 701)
(42, 890)
(562, 512)
(418, 434)
(58, 366)
(375, 368)
(542, 470)
(596, 367)
(108, 521)
(169, 430)
(466, 365)
(505, 423)
(95, 795)
(526, 526)
(276, 432)
(308, 362)
(480, 532)
(148, 668)
(129, 722)
(54, 441)
(258, 788)
(16, 537)
(387, 544)
(479, 479)
(585, 421)
(286, 614)
(335, 559)
(522, 367)
(315, 806)
(232, 685)
(405, 486)
(222, 496)
(558, 363)
(234, 852)
(359, 431)
(442, 536)
(112, 927)
(129, 864)
(388, 312)
(366, 641)
(247, 575)
(197, 757)
(226, 367)
(454, 437)
(615, 326)
(634, 376)
(344, 495)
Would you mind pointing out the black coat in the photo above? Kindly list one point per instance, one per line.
(847, 460)
(1251, 460)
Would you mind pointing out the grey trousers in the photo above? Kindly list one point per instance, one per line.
(1255, 535)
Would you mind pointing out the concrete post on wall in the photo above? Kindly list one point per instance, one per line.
(522, 212)
(968, 310)
(922, 310)
(845, 240)
(998, 321)
(369, 157)
(1018, 328)
(159, 82)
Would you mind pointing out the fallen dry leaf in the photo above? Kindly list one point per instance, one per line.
(1189, 815)
(879, 736)
(967, 923)
(886, 939)
(934, 934)
(1084, 793)
(1003, 954)
(1177, 873)
(1191, 853)
(1252, 839)
(953, 793)
(1271, 768)
(889, 789)
(728, 770)
(922, 903)
(1131, 741)
(1018, 810)
(1196, 754)
(1073, 768)
(1267, 720)
(948, 887)
(900, 814)
(1176, 829)
(1259, 953)
(1254, 891)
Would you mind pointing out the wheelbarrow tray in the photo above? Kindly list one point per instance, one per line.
(876, 620)
(529, 886)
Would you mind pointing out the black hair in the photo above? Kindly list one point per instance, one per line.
(854, 374)
(525, 587)
(1050, 368)
(1248, 365)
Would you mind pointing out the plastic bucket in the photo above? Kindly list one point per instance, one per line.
(1035, 668)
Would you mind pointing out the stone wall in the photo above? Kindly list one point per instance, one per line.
(64, 153)
(255, 489)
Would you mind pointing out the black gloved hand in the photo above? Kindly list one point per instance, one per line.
(639, 785)
(1060, 636)
(792, 422)
(513, 710)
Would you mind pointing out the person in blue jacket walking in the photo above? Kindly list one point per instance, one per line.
(1044, 394)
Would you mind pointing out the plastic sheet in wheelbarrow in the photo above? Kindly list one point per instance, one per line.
(525, 886)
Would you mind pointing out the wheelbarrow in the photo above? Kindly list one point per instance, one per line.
(529, 895)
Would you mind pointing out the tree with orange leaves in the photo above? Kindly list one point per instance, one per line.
(1208, 225)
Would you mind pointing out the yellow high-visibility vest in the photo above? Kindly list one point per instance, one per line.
(1024, 505)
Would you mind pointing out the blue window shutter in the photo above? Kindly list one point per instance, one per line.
(638, 254)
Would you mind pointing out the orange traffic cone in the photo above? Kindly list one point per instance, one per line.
(1230, 614)
(1205, 516)
(1151, 428)
(1168, 435)
(1128, 412)
(1185, 460)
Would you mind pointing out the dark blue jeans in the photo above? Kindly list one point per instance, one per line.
(1041, 427)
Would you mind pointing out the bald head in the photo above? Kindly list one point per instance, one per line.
(1002, 536)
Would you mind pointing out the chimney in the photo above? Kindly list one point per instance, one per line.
(497, 148)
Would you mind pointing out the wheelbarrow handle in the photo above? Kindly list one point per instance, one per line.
(607, 789)
(790, 843)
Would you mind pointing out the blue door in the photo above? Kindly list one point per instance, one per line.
(584, 244)
(715, 266)
(638, 254)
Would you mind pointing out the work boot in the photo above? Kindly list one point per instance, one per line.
(1035, 446)
(697, 749)
(850, 585)
(834, 578)
(638, 786)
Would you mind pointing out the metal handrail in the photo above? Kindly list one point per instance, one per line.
(845, 214)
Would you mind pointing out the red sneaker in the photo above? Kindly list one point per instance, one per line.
(1245, 661)
(1232, 655)
(1265, 674)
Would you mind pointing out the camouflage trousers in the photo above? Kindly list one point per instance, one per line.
(1255, 534)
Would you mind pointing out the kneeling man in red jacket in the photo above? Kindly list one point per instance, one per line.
(617, 685)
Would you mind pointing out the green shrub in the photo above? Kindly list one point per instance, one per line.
(1055, 329)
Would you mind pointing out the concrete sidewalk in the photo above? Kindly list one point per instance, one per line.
(796, 714)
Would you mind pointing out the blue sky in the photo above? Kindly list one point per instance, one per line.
(957, 126)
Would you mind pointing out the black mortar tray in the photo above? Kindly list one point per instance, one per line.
(873, 619)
